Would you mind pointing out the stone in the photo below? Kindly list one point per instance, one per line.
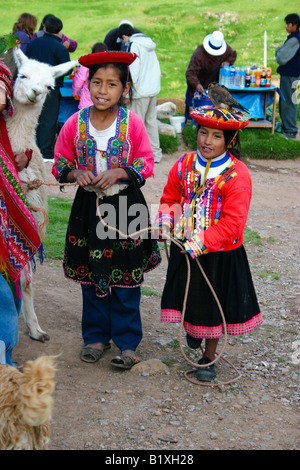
(150, 367)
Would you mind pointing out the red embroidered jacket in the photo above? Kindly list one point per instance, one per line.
(216, 219)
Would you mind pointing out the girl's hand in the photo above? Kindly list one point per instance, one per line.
(21, 160)
(109, 177)
(82, 177)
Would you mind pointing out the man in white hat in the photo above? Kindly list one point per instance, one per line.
(206, 62)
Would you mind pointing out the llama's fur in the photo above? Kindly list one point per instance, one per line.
(33, 82)
(26, 402)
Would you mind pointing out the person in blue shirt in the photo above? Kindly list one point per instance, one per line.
(50, 50)
(24, 28)
(288, 58)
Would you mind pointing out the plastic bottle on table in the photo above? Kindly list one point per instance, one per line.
(232, 76)
(237, 77)
(247, 77)
(268, 77)
(252, 77)
(263, 79)
(242, 77)
(257, 77)
(226, 75)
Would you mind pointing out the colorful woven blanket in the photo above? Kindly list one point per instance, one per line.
(19, 239)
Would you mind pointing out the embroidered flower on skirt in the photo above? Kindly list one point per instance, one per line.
(106, 262)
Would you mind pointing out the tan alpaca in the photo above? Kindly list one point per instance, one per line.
(26, 404)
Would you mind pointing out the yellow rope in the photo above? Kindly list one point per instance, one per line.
(205, 174)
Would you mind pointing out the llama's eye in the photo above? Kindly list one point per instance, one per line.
(49, 87)
(22, 76)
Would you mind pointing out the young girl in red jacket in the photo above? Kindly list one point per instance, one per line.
(205, 204)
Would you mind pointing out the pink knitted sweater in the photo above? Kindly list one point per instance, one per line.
(80, 87)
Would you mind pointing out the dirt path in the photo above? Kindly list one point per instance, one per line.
(97, 407)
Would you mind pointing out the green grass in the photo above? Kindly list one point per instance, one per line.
(58, 212)
(252, 237)
(189, 133)
(267, 273)
(176, 26)
(168, 144)
(149, 292)
(261, 144)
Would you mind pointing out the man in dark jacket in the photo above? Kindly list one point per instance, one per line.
(288, 58)
(206, 62)
(49, 49)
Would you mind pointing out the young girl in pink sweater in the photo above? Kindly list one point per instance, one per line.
(106, 150)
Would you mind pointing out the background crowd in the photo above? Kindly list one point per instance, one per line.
(214, 52)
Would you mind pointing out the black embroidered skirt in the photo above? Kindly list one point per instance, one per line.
(97, 255)
(230, 277)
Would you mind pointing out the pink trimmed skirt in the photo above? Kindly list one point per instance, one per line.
(230, 276)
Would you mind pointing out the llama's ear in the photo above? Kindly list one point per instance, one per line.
(19, 57)
(63, 69)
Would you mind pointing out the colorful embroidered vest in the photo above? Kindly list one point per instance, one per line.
(118, 149)
(194, 200)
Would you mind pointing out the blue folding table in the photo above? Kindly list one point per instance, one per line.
(68, 105)
(257, 100)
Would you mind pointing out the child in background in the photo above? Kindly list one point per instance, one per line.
(80, 88)
(105, 148)
(205, 203)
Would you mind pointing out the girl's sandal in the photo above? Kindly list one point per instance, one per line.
(89, 354)
(124, 362)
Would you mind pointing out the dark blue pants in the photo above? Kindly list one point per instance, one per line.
(114, 317)
(47, 125)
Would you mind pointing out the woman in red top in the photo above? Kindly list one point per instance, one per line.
(205, 204)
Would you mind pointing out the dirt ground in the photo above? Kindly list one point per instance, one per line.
(154, 406)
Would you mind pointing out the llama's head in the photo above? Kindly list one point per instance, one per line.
(35, 79)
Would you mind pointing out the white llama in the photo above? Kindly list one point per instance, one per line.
(33, 82)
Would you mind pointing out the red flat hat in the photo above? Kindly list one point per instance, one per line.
(219, 118)
(107, 57)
